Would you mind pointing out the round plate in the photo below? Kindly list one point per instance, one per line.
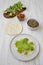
(20, 56)
(13, 28)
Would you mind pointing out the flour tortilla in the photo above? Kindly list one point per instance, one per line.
(13, 28)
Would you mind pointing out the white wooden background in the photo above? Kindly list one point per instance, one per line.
(35, 10)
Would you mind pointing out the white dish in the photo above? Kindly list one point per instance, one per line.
(13, 28)
(22, 57)
(35, 21)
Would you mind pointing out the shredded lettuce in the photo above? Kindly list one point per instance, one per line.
(24, 45)
(17, 6)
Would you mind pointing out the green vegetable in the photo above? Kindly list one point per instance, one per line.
(16, 7)
(24, 45)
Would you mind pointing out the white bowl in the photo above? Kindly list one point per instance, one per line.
(33, 28)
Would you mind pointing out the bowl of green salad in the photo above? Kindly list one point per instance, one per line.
(24, 47)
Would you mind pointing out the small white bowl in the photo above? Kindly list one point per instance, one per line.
(33, 28)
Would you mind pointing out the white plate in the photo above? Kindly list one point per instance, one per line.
(22, 57)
